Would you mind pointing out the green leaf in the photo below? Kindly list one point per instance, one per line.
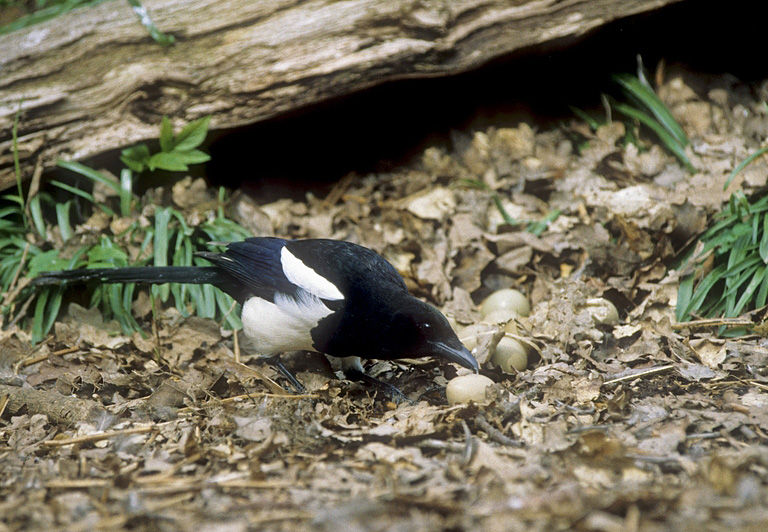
(47, 13)
(38, 317)
(648, 98)
(167, 143)
(763, 249)
(106, 255)
(36, 212)
(52, 309)
(90, 173)
(62, 219)
(669, 141)
(126, 192)
(702, 290)
(743, 165)
(684, 294)
(161, 241)
(192, 156)
(749, 291)
(762, 294)
(593, 124)
(167, 161)
(135, 157)
(193, 134)
(47, 261)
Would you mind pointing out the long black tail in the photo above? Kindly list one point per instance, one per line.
(142, 274)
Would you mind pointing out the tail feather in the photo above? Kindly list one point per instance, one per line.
(141, 274)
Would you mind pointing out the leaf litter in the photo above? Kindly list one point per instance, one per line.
(640, 425)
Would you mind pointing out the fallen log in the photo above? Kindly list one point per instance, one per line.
(93, 80)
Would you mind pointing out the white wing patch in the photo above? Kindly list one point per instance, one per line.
(284, 325)
(305, 277)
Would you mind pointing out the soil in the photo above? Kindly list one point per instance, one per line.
(635, 424)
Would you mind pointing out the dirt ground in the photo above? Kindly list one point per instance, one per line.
(633, 425)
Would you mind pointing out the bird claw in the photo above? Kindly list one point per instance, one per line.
(276, 363)
(392, 391)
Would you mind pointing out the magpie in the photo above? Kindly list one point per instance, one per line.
(327, 296)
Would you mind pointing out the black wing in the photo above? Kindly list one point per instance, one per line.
(348, 266)
(255, 264)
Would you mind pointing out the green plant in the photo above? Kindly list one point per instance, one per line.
(27, 239)
(48, 9)
(651, 112)
(759, 153)
(647, 109)
(730, 269)
(22, 228)
(176, 151)
(735, 252)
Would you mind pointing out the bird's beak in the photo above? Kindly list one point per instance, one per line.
(460, 356)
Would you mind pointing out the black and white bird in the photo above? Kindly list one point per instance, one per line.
(328, 296)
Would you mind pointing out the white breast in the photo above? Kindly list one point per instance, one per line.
(284, 325)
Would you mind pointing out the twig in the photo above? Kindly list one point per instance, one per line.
(637, 375)
(236, 340)
(470, 447)
(42, 358)
(98, 437)
(78, 483)
(236, 367)
(3, 403)
(451, 446)
(163, 477)
(714, 322)
(118, 522)
(494, 433)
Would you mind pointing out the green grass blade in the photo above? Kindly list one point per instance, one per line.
(126, 191)
(62, 219)
(36, 212)
(90, 173)
(669, 140)
(39, 317)
(762, 294)
(702, 291)
(749, 291)
(684, 295)
(743, 165)
(650, 100)
(161, 241)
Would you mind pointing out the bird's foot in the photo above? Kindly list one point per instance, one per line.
(276, 363)
(392, 391)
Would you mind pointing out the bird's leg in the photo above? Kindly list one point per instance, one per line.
(276, 363)
(353, 370)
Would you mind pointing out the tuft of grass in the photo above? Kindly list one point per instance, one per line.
(644, 107)
(650, 111)
(28, 241)
(46, 10)
(730, 273)
(49, 9)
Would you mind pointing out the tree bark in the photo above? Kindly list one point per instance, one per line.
(93, 80)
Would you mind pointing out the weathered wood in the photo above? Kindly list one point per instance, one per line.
(93, 80)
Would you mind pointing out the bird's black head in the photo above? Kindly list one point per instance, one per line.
(424, 332)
